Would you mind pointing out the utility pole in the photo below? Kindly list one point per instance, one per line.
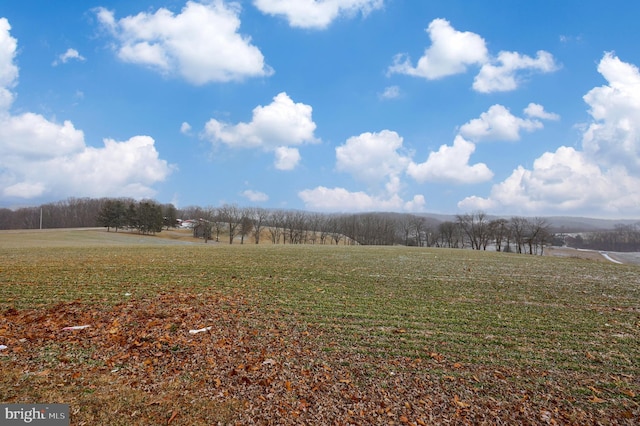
(40, 217)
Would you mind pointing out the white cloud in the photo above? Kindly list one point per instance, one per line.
(185, 128)
(614, 136)
(417, 204)
(377, 160)
(341, 200)
(451, 52)
(391, 92)
(499, 124)
(372, 157)
(475, 203)
(41, 158)
(30, 136)
(274, 127)
(502, 73)
(255, 196)
(602, 179)
(201, 44)
(451, 163)
(537, 111)
(8, 69)
(286, 158)
(67, 56)
(564, 181)
(316, 14)
(128, 168)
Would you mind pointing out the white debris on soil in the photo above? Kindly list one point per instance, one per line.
(201, 330)
(77, 327)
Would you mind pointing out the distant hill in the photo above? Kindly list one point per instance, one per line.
(558, 223)
(584, 224)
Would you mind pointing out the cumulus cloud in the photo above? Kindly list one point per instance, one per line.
(276, 127)
(315, 14)
(453, 52)
(286, 158)
(377, 159)
(499, 124)
(255, 196)
(67, 56)
(380, 161)
(8, 69)
(129, 168)
(451, 163)
(602, 178)
(537, 111)
(201, 43)
(341, 200)
(372, 157)
(564, 181)
(31, 136)
(417, 204)
(42, 158)
(501, 74)
(613, 138)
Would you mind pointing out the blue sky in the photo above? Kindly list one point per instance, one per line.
(513, 108)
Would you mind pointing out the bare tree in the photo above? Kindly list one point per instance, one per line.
(246, 224)
(499, 229)
(476, 226)
(406, 228)
(315, 225)
(259, 217)
(518, 231)
(230, 214)
(449, 234)
(538, 235)
(276, 223)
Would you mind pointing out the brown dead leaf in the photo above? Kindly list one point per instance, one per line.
(596, 400)
(173, 416)
(593, 389)
(460, 403)
(629, 392)
(436, 356)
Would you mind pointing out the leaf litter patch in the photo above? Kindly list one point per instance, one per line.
(218, 358)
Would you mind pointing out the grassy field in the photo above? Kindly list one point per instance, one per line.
(314, 334)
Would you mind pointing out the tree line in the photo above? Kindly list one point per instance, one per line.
(145, 216)
(623, 238)
(475, 230)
